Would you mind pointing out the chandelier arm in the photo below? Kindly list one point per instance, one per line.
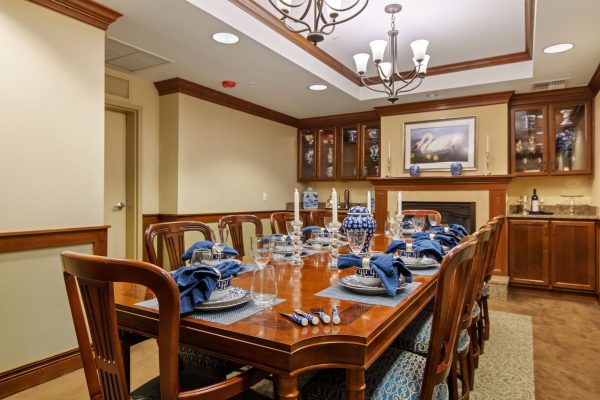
(348, 18)
(399, 90)
(375, 90)
(296, 30)
(343, 9)
(288, 16)
(410, 77)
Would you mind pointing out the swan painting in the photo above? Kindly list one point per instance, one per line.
(432, 147)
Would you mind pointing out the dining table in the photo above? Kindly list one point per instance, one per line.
(271, 342)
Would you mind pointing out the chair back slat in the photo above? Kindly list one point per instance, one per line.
(234, 224)
(173, 236)
(424, 214)
(278, 221)
(453, 278)
(317, 218)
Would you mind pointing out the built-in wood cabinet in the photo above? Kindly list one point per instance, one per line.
(340, 152)
(551, 134)
(558, 254)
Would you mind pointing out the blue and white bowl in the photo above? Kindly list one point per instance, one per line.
(367, 276)
(221, 290)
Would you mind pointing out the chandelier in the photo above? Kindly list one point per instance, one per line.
(393, 82)
(324, 16)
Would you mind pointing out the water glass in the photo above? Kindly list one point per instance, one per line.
(317, 239)
(219, 246)
(198, 256)
(280, 247)
(327, 221)
(356, 240)
(264, 286)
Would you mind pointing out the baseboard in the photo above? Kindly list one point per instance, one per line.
(35, 373)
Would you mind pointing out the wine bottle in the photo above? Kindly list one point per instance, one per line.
(346, 198)
(535, 204)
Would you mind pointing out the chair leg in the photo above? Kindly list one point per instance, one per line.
(486, 317)
(453, 382)
(465, 375)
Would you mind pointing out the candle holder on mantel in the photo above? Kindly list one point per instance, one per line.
(389, 167)
(487, 164)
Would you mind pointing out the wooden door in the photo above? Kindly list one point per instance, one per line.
(528, 258)
(573, 255)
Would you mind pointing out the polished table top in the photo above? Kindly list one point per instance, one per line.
(272, 342)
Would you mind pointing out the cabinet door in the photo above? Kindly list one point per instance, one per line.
(573, 255)
(307, 154)
(349, 154)
(529, 155)
(571, 143)
(326, 154)
(371, 150)
(528, 252)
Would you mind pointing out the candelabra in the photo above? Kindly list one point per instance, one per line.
(487, 164)
(389, 167)
(334, 243)
(297, 243)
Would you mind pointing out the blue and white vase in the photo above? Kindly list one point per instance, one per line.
(310, 198)
(414, 170)
(359, 218)
(456, 168)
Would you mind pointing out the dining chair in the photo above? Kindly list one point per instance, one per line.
(317, 217)
(424, 214)
(234, 224)
(100, 348)
(400, 374)
(172, 235)
(278, 220)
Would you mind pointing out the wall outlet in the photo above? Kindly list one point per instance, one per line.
(265, 196)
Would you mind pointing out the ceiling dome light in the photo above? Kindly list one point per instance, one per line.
(558, 48)
(317, 87)
(225, 38)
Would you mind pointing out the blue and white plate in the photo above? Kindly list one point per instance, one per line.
(419, 262)
(236, 297)
(352, 283)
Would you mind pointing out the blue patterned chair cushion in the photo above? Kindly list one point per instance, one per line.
(199, 359)
(476, 312)
(415, 337)
(396, 374)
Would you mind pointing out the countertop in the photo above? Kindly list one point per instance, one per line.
(555, 216)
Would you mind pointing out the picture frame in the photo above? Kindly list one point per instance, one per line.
(434, 145)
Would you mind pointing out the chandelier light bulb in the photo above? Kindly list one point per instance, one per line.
(422, 69)
(378, 49)
(332, 6)
(386, 70)
(361, 60)
(419, 48)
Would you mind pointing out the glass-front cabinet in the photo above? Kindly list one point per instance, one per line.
(371, 150)
(349, 165)
(307, 158)
(326, 154)
(551, 139)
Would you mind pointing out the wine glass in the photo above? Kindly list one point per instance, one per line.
(289, 227)
(219, 246)
(431, 218)
(262, 249)
(198, 256)
(327, 221)
(356, 240)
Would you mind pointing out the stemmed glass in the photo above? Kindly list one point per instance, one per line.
(431, 219)
(218, 247)
(356, 240)
(262, 249)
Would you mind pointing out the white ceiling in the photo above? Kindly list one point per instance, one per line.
(273, 72)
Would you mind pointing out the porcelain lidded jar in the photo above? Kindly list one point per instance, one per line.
(310, 198)
(359, 218)
(414, 170)
(456, 168)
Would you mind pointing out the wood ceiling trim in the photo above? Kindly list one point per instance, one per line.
(339, 119)
(446, 104)
(86, 11)
(179, 85)
(278, 26)
(552, 96)
(594, 84)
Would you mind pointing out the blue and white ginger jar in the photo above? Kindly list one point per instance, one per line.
(360, 218)
(456, 168)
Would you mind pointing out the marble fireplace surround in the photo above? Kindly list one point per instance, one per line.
(443, 188)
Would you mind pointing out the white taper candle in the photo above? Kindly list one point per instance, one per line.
(369, 200)
(296, 205)
(399, 203)
(334, 204)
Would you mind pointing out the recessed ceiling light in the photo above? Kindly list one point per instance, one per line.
(225, 38)
(558, 48)
(317, 87)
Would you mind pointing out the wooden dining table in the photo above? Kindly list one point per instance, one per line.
(273, 343)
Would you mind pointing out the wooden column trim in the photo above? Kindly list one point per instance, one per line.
(594, 84)
(381, 206)
(86, 11)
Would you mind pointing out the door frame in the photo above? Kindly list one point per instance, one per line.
(133, 220)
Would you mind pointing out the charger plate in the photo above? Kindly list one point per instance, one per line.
(416, 263)
(352, 283)
(236, 297)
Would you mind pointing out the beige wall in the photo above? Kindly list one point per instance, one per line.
(226, 159)
(51, 166)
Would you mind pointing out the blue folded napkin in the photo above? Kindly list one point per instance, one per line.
(436, 228)
(407, 224)
(458, 230)
(446, 239)
(420, 235)
(429, 248)
(196, 283)
(396, 245)
(308, 230)
(207, 244)
(387, 267)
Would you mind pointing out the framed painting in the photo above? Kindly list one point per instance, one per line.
(434, 145)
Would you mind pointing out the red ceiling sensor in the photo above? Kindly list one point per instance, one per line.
(228, 84)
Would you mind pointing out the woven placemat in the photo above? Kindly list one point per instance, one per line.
(224, 317)
(337, 291)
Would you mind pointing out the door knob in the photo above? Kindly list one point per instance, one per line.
(119, 206)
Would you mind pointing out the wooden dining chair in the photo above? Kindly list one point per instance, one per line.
(278, 221)
(402, 374)
(100, 348)
(172, 235)
(317, 217)
(424, 214)
(234, 224)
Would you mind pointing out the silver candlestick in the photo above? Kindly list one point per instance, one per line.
(389, 167)
(487, 164)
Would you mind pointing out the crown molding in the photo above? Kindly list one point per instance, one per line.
(339, 119)
(594, 84)
(552, 96)
(179, 85)
(270, 20)
(86, 11)
(446, 104)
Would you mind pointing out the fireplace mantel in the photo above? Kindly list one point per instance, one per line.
(495, 185)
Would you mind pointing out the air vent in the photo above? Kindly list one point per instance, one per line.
(116, 86)
(126, 57)
(550, 85)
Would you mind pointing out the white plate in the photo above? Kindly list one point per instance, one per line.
(419, 263)
(237, 296)
(351, 282)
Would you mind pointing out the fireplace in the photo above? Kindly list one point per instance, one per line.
(462, 213)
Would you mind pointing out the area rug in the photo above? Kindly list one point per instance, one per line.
(505, 370)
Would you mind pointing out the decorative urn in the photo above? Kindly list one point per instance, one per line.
(456, 168)
(359, 218)
(414, 170)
